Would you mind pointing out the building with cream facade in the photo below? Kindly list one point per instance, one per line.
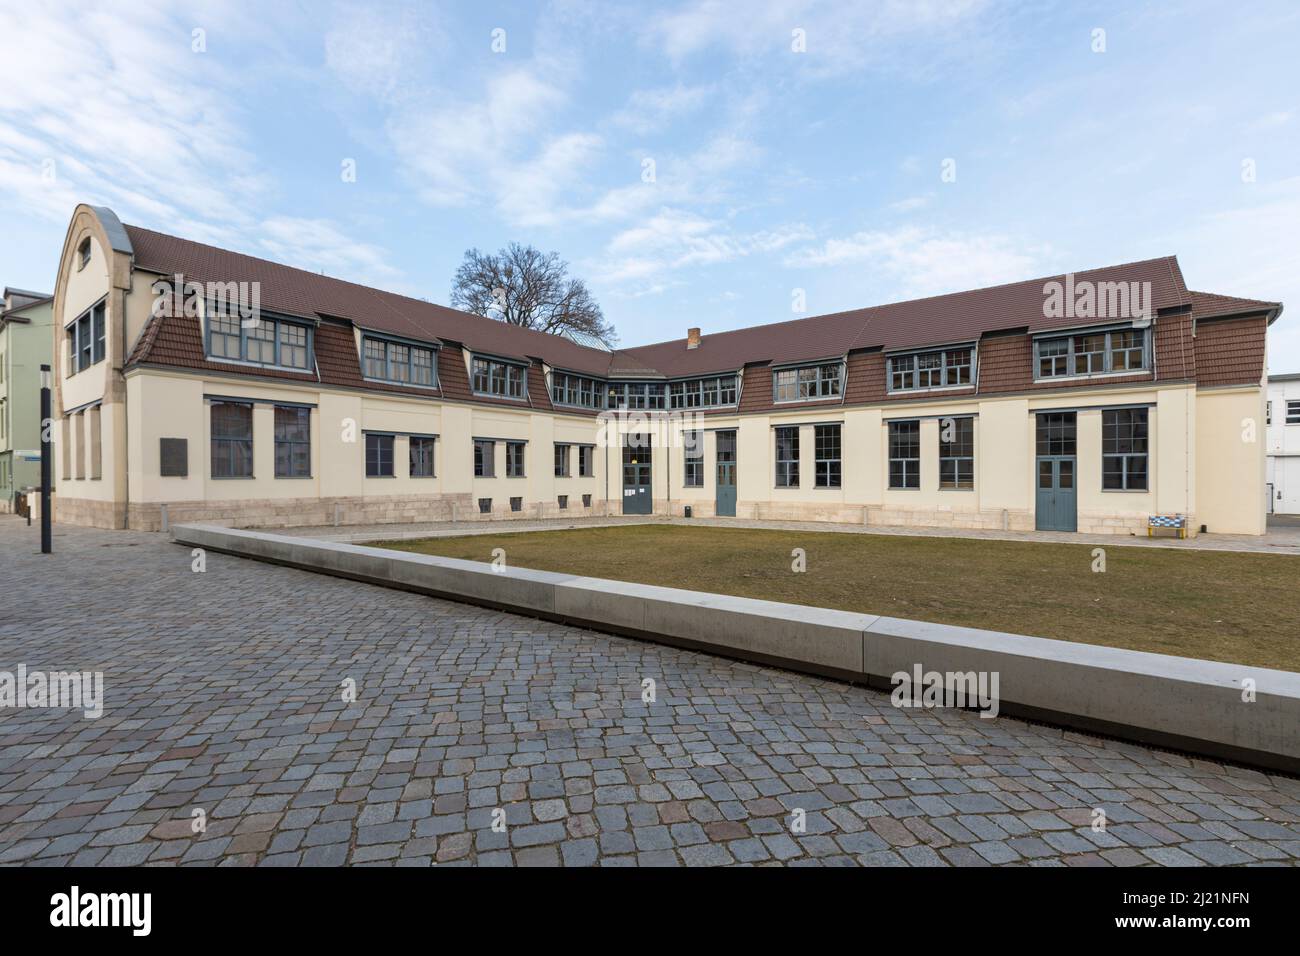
(198, 384)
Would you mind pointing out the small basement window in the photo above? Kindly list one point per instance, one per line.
(485, 506)
(564, 502)
(516, 504)
(586, 501)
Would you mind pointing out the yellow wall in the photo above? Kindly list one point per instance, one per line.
(171, 405)
(1004, 489)
(1230, 468)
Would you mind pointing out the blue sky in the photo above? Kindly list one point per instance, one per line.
(773, 170)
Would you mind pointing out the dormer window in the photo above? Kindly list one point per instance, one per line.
(703, 392)
(636, 395)
(937, 368)
(272, 342)
(808, 383)
(495, 378)
(576, 390)
(406, 364)
(1105, 352)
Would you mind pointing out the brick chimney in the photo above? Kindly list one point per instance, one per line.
(692, 338)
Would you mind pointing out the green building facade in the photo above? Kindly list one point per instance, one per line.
(26, 343)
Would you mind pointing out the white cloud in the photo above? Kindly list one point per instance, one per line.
(371, 54)
(460, 151)
(319, 245)
(650, 110)
(674, 239)
(1251, 250)
(839, 36)
(155, 111)
(1273, 120)
(912, 203)
(124, 113)
(921, 262)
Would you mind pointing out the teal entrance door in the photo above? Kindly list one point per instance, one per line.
(637, 498)
(725, 502)
(1055, 506)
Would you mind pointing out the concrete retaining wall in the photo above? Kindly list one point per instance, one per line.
(1187, 704)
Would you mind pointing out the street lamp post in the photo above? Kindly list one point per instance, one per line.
(47, 463)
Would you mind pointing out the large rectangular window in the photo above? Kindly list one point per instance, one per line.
(942, 368)
(576, 390)
(703, 392)
(293, 345)
(292, 442)
(648, 395)
(232, 440)
(808, 383)
(399, 362)
(97, 333)
(1124, 449)
(379, 456)
(826, 447)
(1092, 353)
(586, 456)
(1293, 412)
(514, 459)
(86, 338)
(561, 460)
(484, 458)
(787, 457)
(502, 379)
(264, 342)
(422, 456)
(956, 453)
(693, 444)
(905, 454)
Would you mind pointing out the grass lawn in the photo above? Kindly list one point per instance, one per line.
(1216, 605)
(1213, 605)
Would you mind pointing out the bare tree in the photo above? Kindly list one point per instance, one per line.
(524, 286)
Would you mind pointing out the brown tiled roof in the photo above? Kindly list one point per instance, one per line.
(799, 340)
(864, 379)
(1005, 361)
(1230, 351)
(1207, 305)
(301, 293)
(938, 320)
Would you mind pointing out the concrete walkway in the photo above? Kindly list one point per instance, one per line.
(1283, 535)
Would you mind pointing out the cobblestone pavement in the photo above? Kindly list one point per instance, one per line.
(223, 694)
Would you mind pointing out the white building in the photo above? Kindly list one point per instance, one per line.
(1283, 417)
